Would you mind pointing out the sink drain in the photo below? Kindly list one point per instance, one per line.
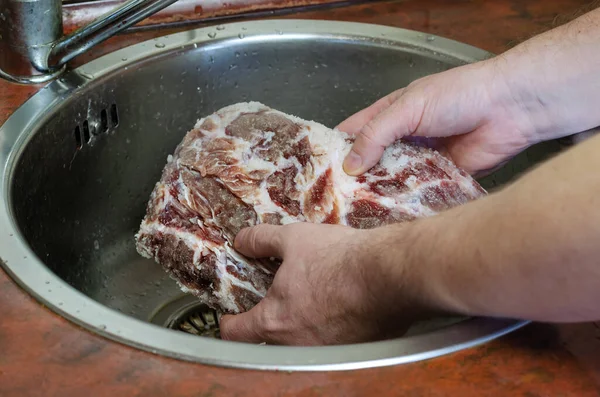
(187, 314)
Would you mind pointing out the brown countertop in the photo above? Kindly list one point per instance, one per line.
(42, 354)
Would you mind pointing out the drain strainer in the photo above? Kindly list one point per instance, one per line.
(187, 314)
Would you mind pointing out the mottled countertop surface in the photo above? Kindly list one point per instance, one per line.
(42, 354)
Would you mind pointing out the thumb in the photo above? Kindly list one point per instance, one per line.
(243, 327)
(260, 241)
(398, 120)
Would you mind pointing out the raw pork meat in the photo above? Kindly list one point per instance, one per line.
(248, 164)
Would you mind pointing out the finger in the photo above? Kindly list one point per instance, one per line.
(243, 327)
(399, 119)
(353, 124)
(262, 241)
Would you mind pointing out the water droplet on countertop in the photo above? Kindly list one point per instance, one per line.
(212, 35)
(159, 45)
(220, 27)
(430, 38)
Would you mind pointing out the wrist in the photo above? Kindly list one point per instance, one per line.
(553, 79)
(402, 256)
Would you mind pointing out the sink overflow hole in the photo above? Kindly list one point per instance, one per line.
(83, 134)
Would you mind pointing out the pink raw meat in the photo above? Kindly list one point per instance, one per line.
(248, 164)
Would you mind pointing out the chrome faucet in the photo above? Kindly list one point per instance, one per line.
(33, 49)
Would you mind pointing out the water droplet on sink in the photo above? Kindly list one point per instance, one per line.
(159, 45)
(123, 59)
(241, 35)
(96, 245)
(430, 38)
(220, 27)
(60, 303)
(212, 35)
(87, 75)
(102, 326)
(279, 32)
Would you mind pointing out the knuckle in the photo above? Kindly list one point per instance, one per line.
(369, 133)
(269, 324)
(254, 237)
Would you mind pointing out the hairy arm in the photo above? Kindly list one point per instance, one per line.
(531, 251)
(555, 77)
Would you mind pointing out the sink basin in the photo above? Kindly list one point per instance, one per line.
(80, 158)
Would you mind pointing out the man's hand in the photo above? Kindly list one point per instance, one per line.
(329, 289)
(468, 110)
(483, 114)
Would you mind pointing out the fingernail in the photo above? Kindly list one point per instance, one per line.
(352, 162)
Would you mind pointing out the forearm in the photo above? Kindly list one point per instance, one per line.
(556, 77)
(530, 251)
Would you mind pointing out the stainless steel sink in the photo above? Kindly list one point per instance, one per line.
(79, 160)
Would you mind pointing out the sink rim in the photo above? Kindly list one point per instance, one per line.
(23, 266)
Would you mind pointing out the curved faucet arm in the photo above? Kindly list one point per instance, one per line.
(103, 28)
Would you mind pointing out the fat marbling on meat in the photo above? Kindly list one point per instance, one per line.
(248, 164)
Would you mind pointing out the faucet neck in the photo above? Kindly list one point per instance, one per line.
(32, 46)
(28, 31)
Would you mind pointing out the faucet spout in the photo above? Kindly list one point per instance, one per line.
(33, 56)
